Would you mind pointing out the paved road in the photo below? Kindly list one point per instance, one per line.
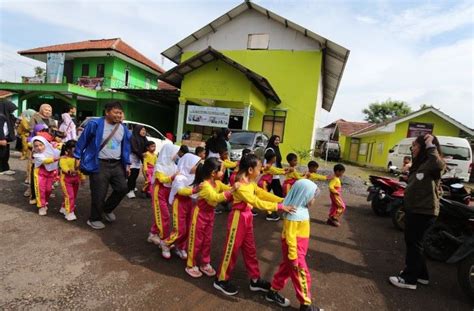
(47, 263)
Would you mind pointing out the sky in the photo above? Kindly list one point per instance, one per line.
(420, 52)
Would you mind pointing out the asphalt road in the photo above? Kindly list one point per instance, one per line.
(47, 263)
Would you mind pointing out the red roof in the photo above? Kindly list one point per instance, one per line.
(115, 44)
(346, 128)
(4, 94)
(162, 85)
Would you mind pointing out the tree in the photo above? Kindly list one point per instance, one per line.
(39, 71)
(380, 112)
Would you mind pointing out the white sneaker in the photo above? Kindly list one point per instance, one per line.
(9, 172)
(70, 216)
(43, 211)
(165, 251)
(181, 253)
(62, 210)
(131, 195)
(400, 282)
(153, 238)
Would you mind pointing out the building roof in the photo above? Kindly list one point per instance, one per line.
(175, 75)
(388, 125)
(346, 128)
(162, 85)
(5, 94)
(115, 44)
(334, 57)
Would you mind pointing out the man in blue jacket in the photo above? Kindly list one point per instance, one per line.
(103, 152)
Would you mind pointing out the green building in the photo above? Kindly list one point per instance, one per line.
(267, 72)
(98, 71)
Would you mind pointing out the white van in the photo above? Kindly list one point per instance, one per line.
(456, 152)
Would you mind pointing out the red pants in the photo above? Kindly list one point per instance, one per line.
(287, 184)
(148, 178)
(239, 236)
(200, 237)
(43, 180)
(265, 181)
(69, 186)
(300, 276)
(161, 213)
(181, 216)
(337, 206)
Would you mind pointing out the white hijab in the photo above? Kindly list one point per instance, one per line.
(49, 152)
(165, 162)
(184, 178)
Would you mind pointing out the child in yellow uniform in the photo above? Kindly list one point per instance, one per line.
(335, 190)
(265, 181)
(312, 172)
(149, 161)
(292, 176)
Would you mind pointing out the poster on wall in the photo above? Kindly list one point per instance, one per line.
(55, 67)
(416, 129)
(208, 116)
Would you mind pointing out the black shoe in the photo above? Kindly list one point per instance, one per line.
(254, 213)
(226, 287)
(308, 308)
(273, 296)
(259, 286)
(273, 217)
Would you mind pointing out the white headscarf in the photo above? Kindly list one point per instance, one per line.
(165, 162)
(185, 177)
(49, 152)
(68, 127)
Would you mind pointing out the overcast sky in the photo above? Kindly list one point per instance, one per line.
(418, 52)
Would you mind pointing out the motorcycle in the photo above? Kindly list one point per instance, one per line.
(454, 221)
(464, 258)
(385, 194)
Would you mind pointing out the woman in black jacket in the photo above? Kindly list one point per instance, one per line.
(7, 134)
(138, 143)
(274, 146)
(421, 202)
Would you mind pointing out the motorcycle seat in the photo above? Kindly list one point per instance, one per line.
(458, 208)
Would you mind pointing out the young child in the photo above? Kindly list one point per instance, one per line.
(335, 189)
(45, 159)
(164, 173)
(212, 192)
(149, 161)
(406, 165)
(313, 172)
(265, 181)
(69, 179)
(245, 152)
(295, 240)
(292, 176)
(227, 165)
(180, 199)
(200, 152)
(240, 234)
(182, 151)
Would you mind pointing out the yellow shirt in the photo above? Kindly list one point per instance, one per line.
(335, 185)
(316, 177)
(163, 178)
(149, 159)
(273, 170)
(291, 231)
(186, 191)
(257, 197)
(68, 164)
(213, 195)
(294, 175)
(229, 164)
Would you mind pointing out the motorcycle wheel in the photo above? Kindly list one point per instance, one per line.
(379, 206)
(436, 245)
(466, 275)
(398, 218)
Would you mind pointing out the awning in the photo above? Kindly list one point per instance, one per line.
(175, 75)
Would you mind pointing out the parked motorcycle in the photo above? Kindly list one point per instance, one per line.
(454, 221)
(385, 194)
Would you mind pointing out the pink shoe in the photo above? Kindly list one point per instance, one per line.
(208, 270)
(194, 272)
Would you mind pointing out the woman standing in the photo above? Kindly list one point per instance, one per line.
(138, 142)
(7, 134)
(274, 146)
(421, 208)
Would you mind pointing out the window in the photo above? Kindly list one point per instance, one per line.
(85, 70)
(274, 125)
(258, 41)
(455, 153)
(404, 149)
(363, 149)
(127, 74)
(100, 70)
(147, 83)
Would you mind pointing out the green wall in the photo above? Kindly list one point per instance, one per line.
(93, 62)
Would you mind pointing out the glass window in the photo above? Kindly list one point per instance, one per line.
(153, 133)
(455, 153)
(100, 70)
(241, 140)
(85, 70)
(274, 125)
(258, 41)
(404, 149)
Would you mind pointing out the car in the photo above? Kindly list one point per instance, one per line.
(253, 140)
(330, 150)
(152, 134)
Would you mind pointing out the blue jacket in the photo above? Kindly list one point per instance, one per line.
(87, 147)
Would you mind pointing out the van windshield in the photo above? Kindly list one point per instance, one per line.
(241, 139)
(455, 152)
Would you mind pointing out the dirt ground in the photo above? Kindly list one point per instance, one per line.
(47, 263)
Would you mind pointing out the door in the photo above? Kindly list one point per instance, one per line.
(353, 152)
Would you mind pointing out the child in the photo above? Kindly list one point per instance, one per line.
(163, 175)
(200, 152)
(292, 176)
(245, 152)
(312, 172)
(45, 159)
(406, 165)
(295, 240)
(69, 179)
(182, 204)
(337, 204)
(227, 165)
(240, 227)
(212, 192)
(265, 180)
(149, 160)
(182, 151)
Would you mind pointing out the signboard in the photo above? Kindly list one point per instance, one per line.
(208, 116)
(55, 67)
(417, 129)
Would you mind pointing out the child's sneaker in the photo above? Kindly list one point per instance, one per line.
(165, 250)
(32, 202)
(43, 211)
(194, 272)
(400, 282)
(71, 216)
(62, 210)
(254, 213)
(259, 286)
(333, 222)
(273, 217)
(153, 238)
(274, 296)
(181, 253)
(27, 192)
(131, 195)
(208, 270)
(226, 287)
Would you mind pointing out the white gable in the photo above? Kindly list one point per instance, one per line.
(233, 35)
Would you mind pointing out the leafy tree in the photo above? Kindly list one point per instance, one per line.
(380, 112)
(39, 71)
